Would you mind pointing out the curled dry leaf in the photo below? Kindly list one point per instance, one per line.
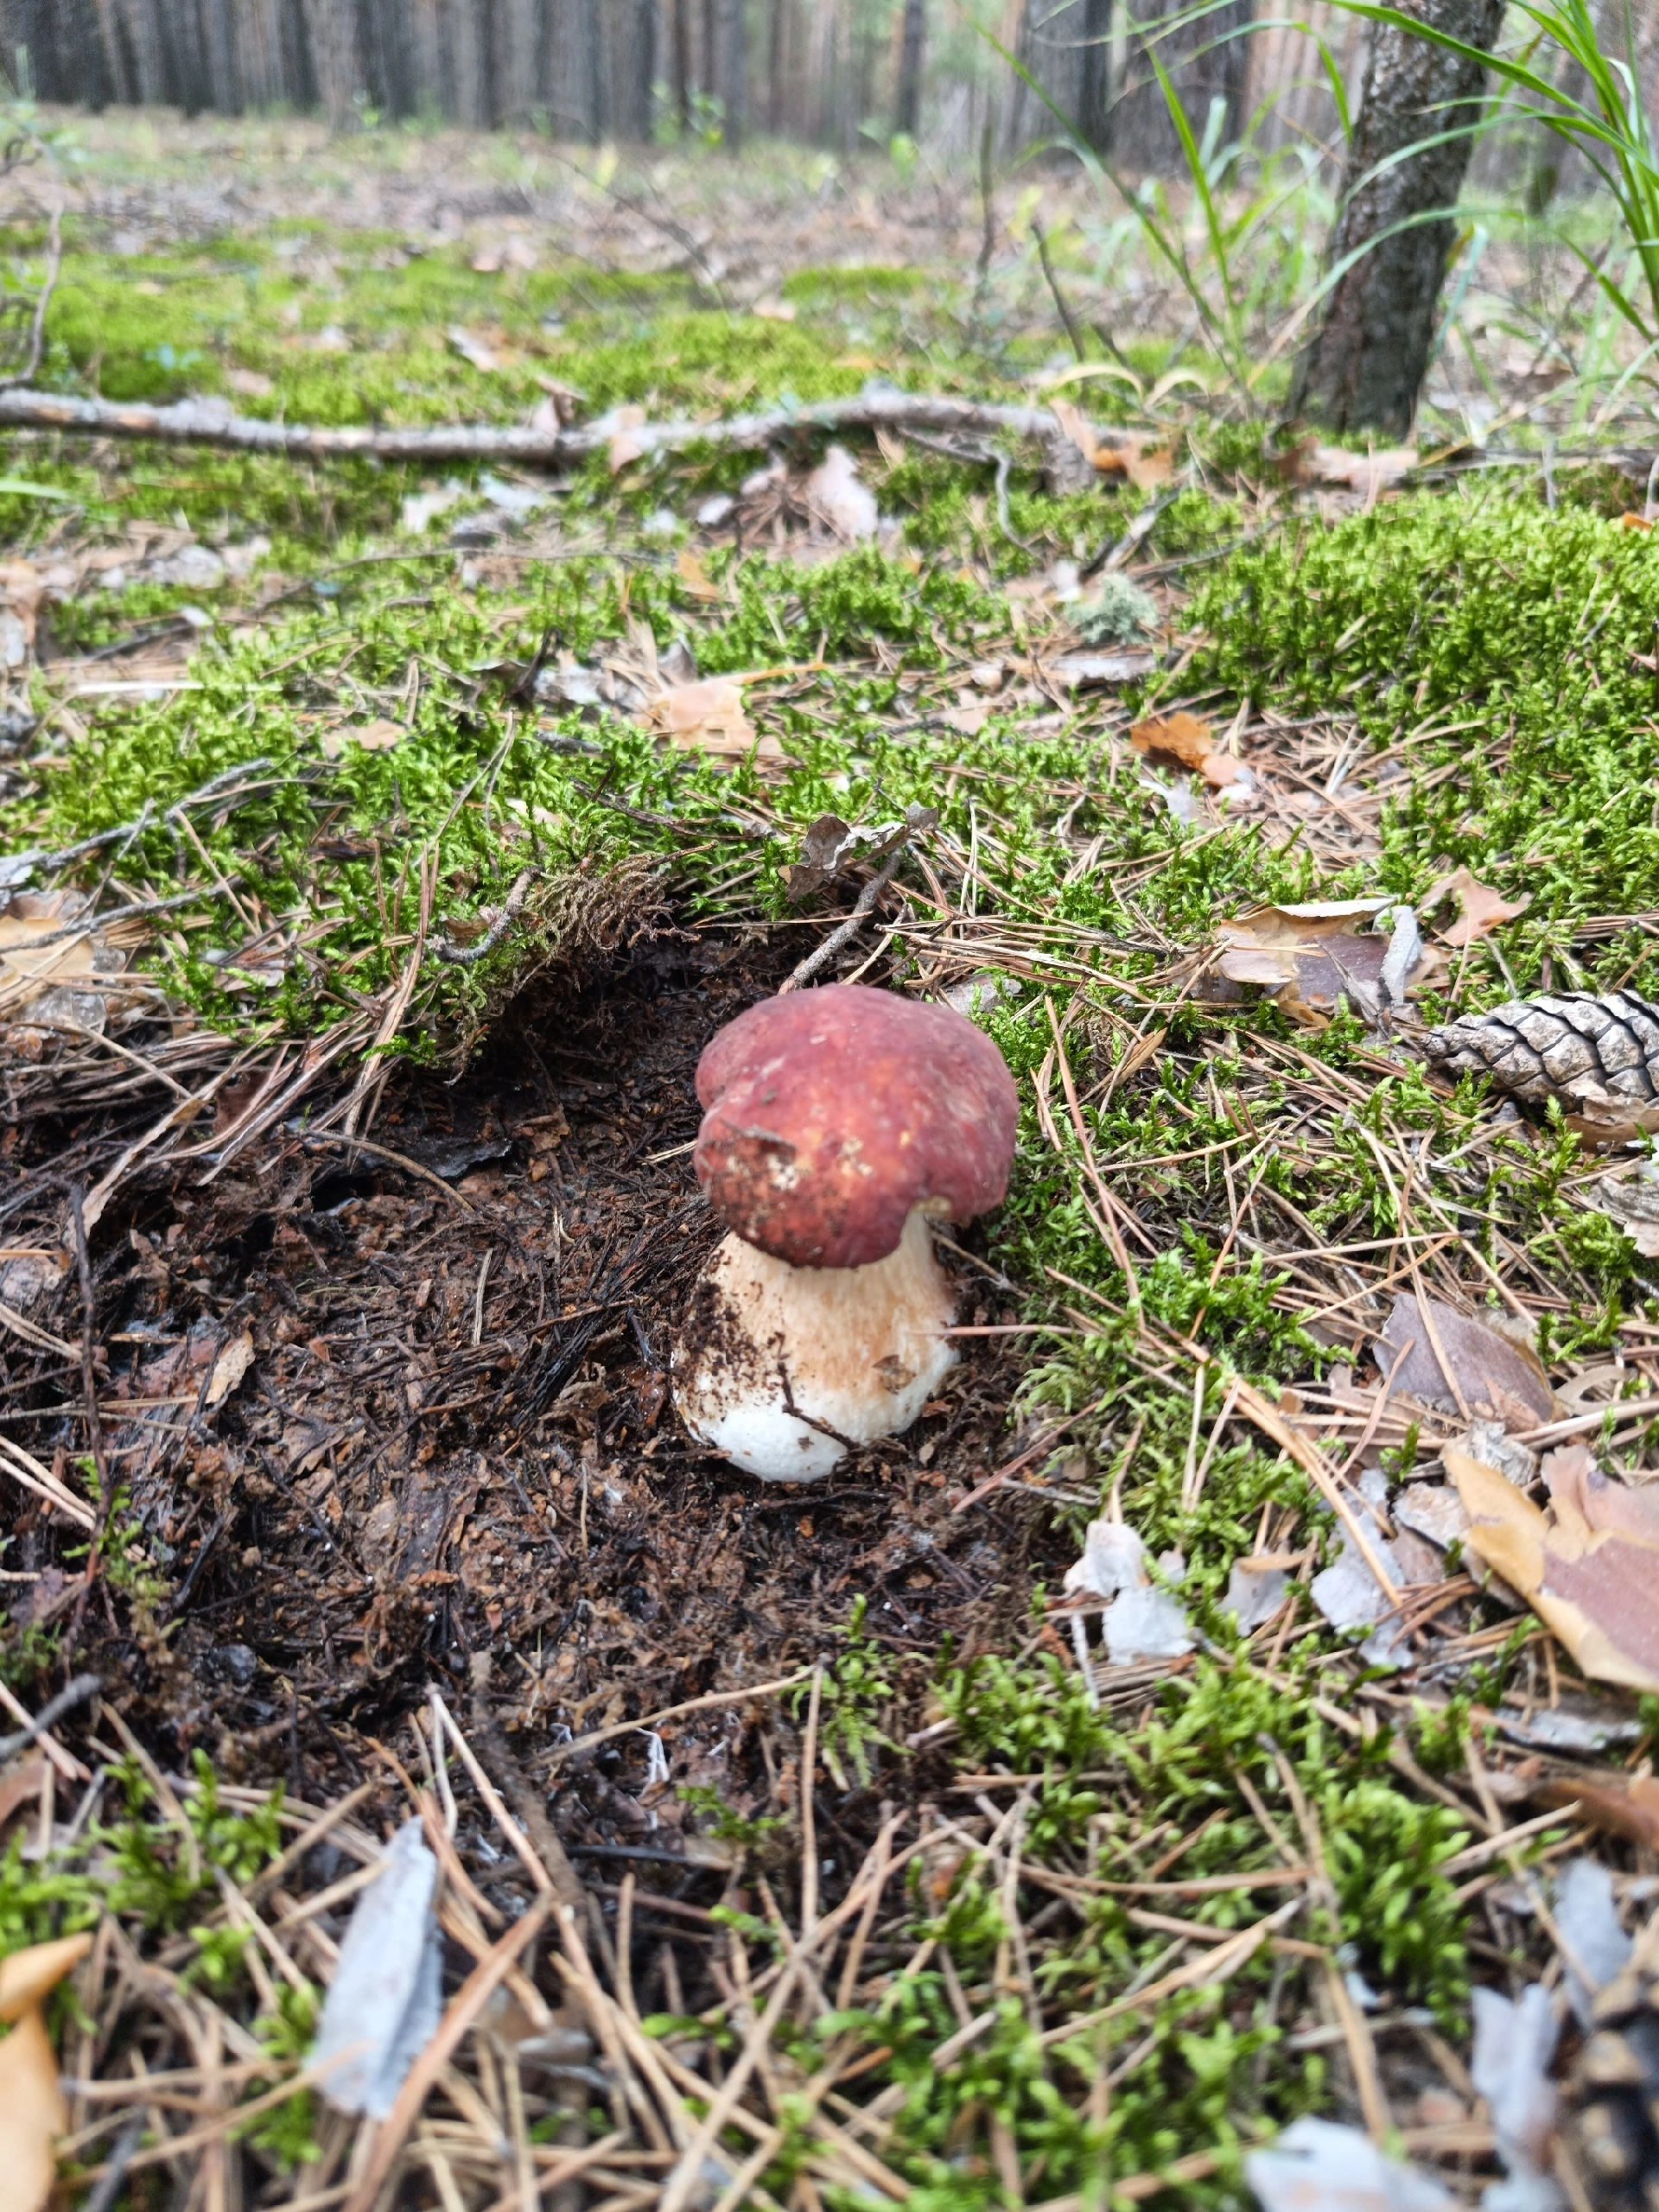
(1448, 1356)
(57, 981)
(623, 424)
(1185, 741)
(1480, 909)
(830, 844)
(688, 568)
(1141, 1621)
(1312, 956)
(32, 2110)
(1308, 462)
(1587, 1567)
(472, 349)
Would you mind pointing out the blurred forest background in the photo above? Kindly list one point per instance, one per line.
(837, 73)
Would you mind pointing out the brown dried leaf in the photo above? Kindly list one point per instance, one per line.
(377, 736)
(1498, 1380)
(1593, 1587)
(775, 310)
(625, 446)
(709, 716)
(1078, 429)
(32, 2114)
(1627, 1806)
(21, 1787)
(28, 1977)
(691, 573)
(1480, 909)
(232, 1363)
(1186, 740)
(1629, 1196)
(1308, 956)
(1150, 469)
(1370, 473)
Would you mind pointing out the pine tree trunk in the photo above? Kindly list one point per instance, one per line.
(907, 108)
(1365, 367)
(729, 69)
(1095, 96)
(683, 64)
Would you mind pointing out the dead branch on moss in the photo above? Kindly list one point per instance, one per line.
(212, 422)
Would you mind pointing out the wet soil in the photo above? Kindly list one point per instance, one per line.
(443, 1428)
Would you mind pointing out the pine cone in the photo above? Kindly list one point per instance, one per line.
(1581, 1050)
(1613, 2095)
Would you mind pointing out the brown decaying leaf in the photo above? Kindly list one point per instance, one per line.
(1187, 741)
(709, 716)
(1305, 954)
(21, 1787)
(1629, 1196)
(625, 446)
(32, 2110)
(377, 736)
(1590, 1580)
(1626, 1806)
(1498, 1380)
(1480, 909)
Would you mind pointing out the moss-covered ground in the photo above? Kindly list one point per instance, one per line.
(1500, 646)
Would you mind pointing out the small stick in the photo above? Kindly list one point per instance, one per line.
(805, 970)
(88, 1372)
(809, 1826)
(1066, 315)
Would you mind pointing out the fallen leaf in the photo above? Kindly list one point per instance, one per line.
(1148, 468)
(1255, 1591)
(32, 2110)
(835, 492)
(1432, 1510)
(1370, 473)
(233, 1362)
(1617, 1804)
(28, 1977)
(623, 423)
(1350, 1596)
(691, 573)
(472, 349)
(1140, 1621)
(709, 716)
(1514, 2041)
(1080, 433)
(1186, 740)
(829, 843)
(251, 383)
(1634, 522)
(384, 1999)
(1498, 1379)
(1319, 2165)
(775, 310)
(1629, 1196)
(377, 736)
(1591, 1934)
(1592, 1587)
(61, 980)
(1312, 956)
(21, 1787)
(1480, 909)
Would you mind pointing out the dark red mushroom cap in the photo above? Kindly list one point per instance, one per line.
(832, 1114)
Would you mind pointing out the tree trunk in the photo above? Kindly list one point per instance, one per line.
(683, 65)
(907, 108)
(1364, 369)
(1094, 95)
(729, 70)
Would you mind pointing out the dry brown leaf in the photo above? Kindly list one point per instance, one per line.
(32, 2114)
(1480, 909)
(1149, 468)
(68, 980)
(775, 310)
(1498, 1380)
(625, 445)
(1081, 432)
(21, 1787)
(691, 573)
(377, 736)
(1307, 956)
(1187, 740)
(1370, 473)
(233, 1362)
(1591, 1588)
(709, 716)
(1634, 522)
(1627, 1806)
(28, 1977)
(838, 495)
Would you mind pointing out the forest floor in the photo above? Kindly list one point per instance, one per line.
(798, 1844)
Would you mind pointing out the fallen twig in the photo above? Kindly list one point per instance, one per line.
(211, 422)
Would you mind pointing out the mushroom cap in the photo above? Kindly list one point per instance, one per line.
(831, 1115)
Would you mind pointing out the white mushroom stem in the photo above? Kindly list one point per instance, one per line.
(783, 1369)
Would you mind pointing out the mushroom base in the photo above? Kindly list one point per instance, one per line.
(858, 1351)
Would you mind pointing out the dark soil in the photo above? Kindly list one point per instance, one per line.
(455, 1435)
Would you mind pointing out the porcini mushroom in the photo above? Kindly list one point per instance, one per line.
(838, 1121)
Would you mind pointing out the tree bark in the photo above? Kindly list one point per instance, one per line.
(683, 65)
(1364, 367)
(730, 71)
(1094, 95)
(907, 108)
